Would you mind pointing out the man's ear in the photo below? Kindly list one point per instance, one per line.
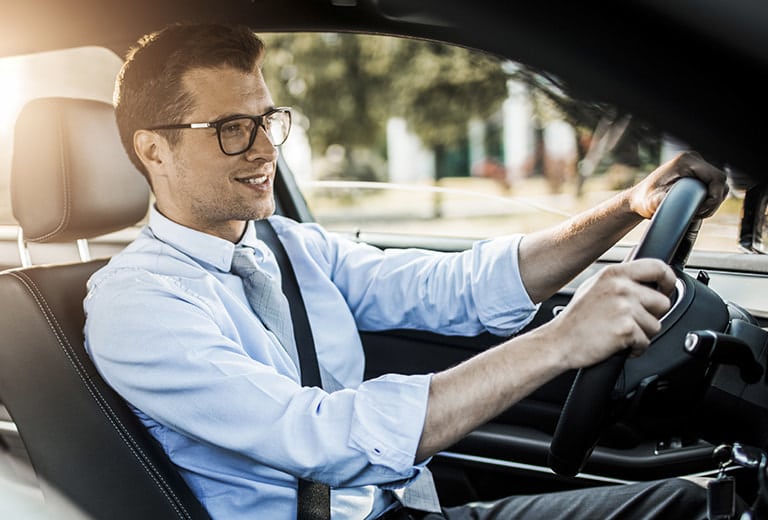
(151, 149)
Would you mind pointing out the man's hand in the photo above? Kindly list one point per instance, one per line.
(646, 196)
(613, 310)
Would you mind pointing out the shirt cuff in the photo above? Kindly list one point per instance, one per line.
(388, 420)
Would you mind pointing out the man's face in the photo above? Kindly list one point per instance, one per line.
(199, 186)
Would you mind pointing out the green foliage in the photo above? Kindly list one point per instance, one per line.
(349, 85)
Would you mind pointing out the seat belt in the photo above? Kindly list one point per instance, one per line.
(314, 498)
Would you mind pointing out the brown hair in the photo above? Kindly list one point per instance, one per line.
(149, 89)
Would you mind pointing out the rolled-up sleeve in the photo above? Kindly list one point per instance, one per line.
(501, 299)
(463, 293)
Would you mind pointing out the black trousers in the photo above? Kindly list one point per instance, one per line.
(673, 499)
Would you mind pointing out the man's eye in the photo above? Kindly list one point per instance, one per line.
(233, 129)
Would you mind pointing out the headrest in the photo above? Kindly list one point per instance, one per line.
(70, 176)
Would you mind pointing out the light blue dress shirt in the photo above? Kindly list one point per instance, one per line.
(170, 328)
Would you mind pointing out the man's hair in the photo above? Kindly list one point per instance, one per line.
(149, 89)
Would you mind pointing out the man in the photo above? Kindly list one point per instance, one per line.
(169, 325)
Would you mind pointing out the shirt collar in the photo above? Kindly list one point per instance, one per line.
(200, 246)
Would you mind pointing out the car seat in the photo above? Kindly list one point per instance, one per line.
(71, 180)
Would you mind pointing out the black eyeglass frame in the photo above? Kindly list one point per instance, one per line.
(258, 123)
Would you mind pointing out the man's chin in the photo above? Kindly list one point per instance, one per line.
(263, 212)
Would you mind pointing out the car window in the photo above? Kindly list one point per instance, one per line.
(394, 135)
(85, 72)
(402, 136)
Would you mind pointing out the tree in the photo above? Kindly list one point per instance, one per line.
(348, 86)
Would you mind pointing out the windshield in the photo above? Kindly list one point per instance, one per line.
(402, 136)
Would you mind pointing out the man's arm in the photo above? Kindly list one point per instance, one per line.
(612, 311)
(551, 258)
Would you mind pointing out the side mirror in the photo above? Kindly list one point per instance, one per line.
(753, 235)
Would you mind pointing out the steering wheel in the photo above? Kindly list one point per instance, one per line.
(587, 407)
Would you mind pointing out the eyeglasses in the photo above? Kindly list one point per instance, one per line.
(237, 133)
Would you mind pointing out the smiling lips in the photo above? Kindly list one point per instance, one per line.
(256, 179)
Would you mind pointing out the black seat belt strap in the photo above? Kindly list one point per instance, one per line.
(314, 499)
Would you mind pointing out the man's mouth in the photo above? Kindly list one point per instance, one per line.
(256, 179)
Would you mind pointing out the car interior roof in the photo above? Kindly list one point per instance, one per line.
(696, 72)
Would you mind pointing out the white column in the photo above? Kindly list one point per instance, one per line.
(517, 129)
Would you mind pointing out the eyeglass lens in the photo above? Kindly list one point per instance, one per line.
(237, 135)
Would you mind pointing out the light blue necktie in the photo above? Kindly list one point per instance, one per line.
(266, 298)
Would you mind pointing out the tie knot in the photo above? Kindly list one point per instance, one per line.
(244, 262)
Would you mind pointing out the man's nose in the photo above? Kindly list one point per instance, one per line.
(262, 147)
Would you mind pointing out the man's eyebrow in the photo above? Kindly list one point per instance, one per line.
(233, 114)
(229, 114)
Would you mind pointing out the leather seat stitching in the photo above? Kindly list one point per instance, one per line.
(100, 400)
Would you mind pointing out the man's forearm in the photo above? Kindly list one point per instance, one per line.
(552, 257)
(470, 394)
(617, 302)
